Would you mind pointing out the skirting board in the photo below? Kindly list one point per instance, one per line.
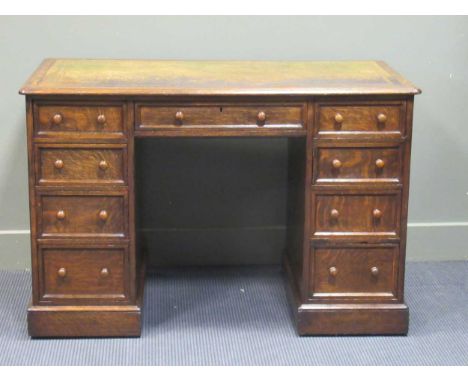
(426, 242)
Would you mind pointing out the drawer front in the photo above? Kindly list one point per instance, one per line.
(83, 273)
(75, 120)
(354, 272)
(365, 164)
(219, 116)
(337, 119)
(82, 215)
(81, 165)
(356, 214)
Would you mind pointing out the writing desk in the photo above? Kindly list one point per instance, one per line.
(348, 166)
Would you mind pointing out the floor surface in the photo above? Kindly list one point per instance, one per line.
(240, 316)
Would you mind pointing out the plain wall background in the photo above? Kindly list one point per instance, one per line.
(432, 52)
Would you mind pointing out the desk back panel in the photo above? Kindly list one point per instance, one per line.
(212, 201)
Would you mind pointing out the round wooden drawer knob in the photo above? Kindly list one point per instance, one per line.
(179, 116)
(60, 214)
(101, 119)
(103, 215)
(339, 118)
(379, 163)
(382, 118)
(261, 117)
(333, 271)
(58, 164)
(336, 163)
(62, 272)
(104, 272)
(374, 271)
(103, 165)
(376, 213)
(57, 119)
(334, 214)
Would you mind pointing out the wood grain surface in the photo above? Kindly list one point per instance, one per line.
(81, 165)
(82, 215)
(95, 119)
(358, 164)
(87, 274)
(354, 277)
(355, 214)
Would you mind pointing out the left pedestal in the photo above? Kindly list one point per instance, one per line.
(84, 268)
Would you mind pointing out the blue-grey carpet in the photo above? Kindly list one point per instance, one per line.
(240, 316)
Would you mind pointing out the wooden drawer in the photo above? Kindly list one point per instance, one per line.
(339, 213)
(79, 120)
(337, 119)
(358, 164)
(83, 274)
(354, 272)
(78, 214)
(81, 164)
(163, 116)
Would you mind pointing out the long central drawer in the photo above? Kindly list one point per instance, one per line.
(220, 115)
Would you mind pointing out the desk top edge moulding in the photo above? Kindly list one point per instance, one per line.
(348, 126)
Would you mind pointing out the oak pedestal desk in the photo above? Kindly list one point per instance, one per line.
(348, 126)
